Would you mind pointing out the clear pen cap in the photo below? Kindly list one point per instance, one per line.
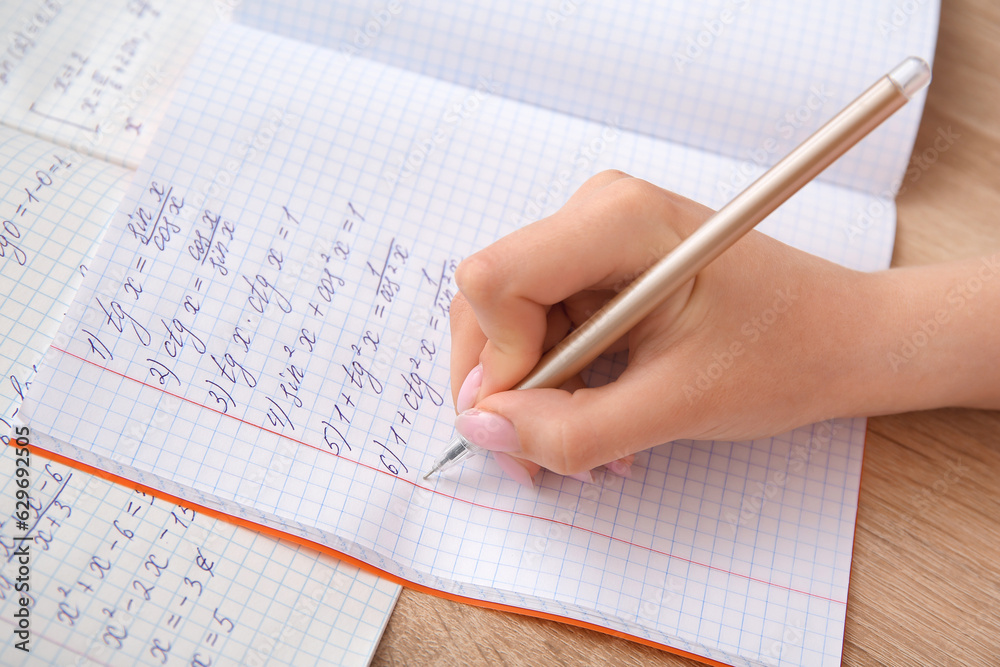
(910, 76)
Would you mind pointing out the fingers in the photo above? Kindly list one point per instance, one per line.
(603, 238)
(468, 341)
(520, 296)
(521, 471)
(572, 433)
(595, 183)
(622, 467)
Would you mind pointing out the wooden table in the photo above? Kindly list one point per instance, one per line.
(925, 581)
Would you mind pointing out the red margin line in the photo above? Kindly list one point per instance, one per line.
(351, 560)
(455, 498)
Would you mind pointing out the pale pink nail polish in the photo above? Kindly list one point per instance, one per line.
(587, 476)
(470, 389)
(514, 470)
(620, 468)
(488, 430)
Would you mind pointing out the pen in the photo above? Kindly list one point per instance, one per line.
(620, 314)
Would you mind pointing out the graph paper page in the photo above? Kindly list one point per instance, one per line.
(719, 75)
(120, 577)
(266, 322)
(96, 75)
(56, 206)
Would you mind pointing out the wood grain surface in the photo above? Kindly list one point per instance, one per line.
(925, 580)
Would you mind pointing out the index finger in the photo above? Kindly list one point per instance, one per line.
(511, 284)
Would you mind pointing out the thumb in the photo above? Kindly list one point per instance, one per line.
(572, 433)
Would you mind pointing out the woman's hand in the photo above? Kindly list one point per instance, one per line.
(764, 339)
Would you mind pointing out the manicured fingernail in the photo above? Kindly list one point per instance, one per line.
(587, 477)
(620, 468)
(488, 430)
(514, 470)
(470, 389)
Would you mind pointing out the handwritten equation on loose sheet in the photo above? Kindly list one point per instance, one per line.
(87, 86)
(29, 196)
(46, 234)
(147, 550)
(280, 321)
(120, 577)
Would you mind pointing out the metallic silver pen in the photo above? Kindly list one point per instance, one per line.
(715, 235)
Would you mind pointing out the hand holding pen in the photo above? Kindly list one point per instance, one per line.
(761, 340)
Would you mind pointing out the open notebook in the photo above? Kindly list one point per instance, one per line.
(116, 576)
(95, 590)
(264, 328)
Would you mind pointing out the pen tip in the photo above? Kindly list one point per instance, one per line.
(429, 473)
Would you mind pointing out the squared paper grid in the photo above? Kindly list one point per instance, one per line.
(629, 62)
(58, 227)
(96, 75)
(734, 598)
(59, 233)
(288, 605)
(60, 230)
